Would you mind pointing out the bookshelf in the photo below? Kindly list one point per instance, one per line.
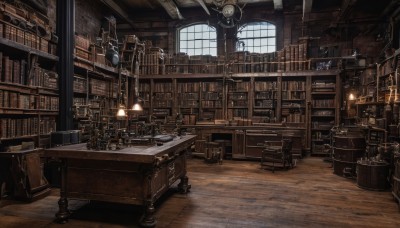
(211, 100)
(324, 111)
(29, 99)
(238, 99)
(28, 92)
(293, 102)
(189, 100)
(265, 99)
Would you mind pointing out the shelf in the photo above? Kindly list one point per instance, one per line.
(20, 47)
(326, 116)
(324, 93)
(18, 137)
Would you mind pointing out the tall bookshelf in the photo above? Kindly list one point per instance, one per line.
(163, 103)
(211, 102)
(29, 93)
(293, 102)
(29, 100)
(189, 100)
(238, 99)
(265, 99)
(324, 111)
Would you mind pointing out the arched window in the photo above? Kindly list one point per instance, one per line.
(258, 37)
(199, 39)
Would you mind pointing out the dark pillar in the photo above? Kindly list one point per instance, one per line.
(65, 32)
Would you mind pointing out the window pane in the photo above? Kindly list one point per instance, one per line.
(271, 32)
(183, 45)
(271, 48)
(200, 38)
(213, 51)
(271, 41)
(197, 44)
(264, 33)
(254, 35)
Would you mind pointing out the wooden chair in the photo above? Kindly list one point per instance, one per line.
(277, 154)
(213, 152)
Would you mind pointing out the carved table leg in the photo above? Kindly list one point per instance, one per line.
(184, 185)
(148, 219)
(63, 213)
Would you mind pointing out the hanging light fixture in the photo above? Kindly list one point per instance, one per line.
(137, 107)
(121, 111)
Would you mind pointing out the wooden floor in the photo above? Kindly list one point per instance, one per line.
(234, 194)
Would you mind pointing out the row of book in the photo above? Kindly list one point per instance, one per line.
(189, 103)
(16, 71)
(293, 85)
(163, 87)
(323, 103)
(294, 118)
(290, 58)
(263, 86)
(188, 96)
(238, 113)
(293, 95)
(264, 104)
(11, 99)
(27, 38)
(188, 87)
(211, 104)
(99, 87)
(265, 95)
(12, 128)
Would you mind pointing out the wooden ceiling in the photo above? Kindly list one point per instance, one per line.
(129, 10)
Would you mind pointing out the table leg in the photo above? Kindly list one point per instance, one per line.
(184, 185)
(148, 219)
(63, 213)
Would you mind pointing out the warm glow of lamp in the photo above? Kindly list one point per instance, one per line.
(137, 107)
(352, 97)
(121, 112)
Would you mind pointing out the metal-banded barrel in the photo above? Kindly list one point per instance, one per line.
(372, 175)
(347, 149)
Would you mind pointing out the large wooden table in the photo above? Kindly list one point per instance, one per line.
(135, 175)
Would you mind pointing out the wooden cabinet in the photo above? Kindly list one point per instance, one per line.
(28, 93)
(324, 111)
(238, 100)
(265, 100)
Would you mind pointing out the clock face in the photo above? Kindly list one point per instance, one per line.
(228, 10)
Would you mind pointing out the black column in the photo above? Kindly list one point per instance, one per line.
(65, 33)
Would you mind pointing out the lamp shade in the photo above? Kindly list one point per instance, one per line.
(121, 112)
(137, 107)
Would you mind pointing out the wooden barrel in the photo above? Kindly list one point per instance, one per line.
(372, 175)
(347, 149)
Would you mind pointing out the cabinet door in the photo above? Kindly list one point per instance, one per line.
(238, 144)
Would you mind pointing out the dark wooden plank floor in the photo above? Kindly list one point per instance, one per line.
(235, 194)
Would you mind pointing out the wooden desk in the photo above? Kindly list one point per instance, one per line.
(135, 175)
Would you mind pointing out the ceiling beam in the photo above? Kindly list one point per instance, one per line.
(171, 8)
(278, 5)
(307, 6)
(201, 2)
(117, 9)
